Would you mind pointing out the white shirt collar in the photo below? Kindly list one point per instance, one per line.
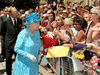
(7, 16)
(13, 20)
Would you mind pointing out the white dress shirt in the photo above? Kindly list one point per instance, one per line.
(13, 20)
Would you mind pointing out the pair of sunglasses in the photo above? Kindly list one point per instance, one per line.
(75, 24)
(93, 13)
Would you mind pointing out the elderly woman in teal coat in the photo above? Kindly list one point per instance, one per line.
(27, 47)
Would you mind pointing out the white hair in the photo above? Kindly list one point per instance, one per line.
(68, 21)
(97, 10)
(27, 26)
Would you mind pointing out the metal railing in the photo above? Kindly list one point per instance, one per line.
(65, 66)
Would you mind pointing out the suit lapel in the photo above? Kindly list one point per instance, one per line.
(4, 17)
(18, 22)
(13, 24)
(10, 21)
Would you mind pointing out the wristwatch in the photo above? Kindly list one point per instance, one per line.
(73, 37)
(67, 30)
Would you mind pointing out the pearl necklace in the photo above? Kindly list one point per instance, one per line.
(32, 34)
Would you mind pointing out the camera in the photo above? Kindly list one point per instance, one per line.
(68, 2)
(75, 2)
(59, 9)
(48, 17)
(61, 0)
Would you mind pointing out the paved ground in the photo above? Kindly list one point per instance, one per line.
(3, 66)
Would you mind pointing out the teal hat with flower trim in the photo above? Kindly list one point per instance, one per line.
(32, 18)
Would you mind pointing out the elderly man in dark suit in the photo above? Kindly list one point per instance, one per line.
(10, 29)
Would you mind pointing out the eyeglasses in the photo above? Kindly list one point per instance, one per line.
(92, 13)
(85, 17)
(75, 24)
(65, 13)
(68, 8)
(9, 11)
(66, 25)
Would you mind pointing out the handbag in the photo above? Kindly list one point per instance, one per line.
(87, 53)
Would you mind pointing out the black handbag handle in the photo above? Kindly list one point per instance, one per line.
(87, 31)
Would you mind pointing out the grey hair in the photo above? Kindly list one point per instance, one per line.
(27, 26)
(68, 21)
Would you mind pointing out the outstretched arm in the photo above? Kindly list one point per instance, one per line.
(96, 48)
(68, 45)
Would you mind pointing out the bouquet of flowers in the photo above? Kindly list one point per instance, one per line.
(47, 42)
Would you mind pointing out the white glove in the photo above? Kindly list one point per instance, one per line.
(32, 57)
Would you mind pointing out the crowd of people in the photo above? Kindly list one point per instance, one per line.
(70, 26)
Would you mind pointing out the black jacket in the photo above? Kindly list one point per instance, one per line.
(10, 32)
(2, 18)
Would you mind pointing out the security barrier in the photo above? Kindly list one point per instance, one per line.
(61, 66)
(68, 66)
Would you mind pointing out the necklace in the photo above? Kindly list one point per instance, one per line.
(32, 34)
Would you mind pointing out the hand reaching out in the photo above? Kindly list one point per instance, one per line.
(68, 45)
(42, 29)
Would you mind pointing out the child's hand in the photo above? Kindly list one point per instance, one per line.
(65, 45)
(42, 29)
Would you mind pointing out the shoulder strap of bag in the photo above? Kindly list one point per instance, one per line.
(87, 31)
